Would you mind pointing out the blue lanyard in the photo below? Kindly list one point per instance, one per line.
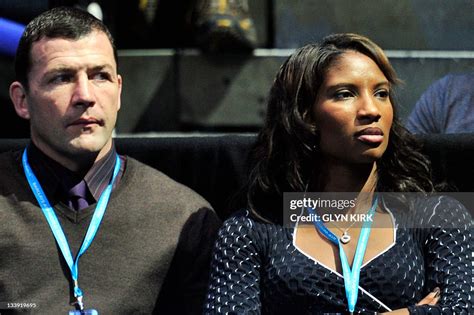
(351, 276)
(56, 226)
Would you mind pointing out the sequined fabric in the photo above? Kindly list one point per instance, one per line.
(257, 270)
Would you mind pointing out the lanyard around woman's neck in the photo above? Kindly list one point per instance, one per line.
(351, 275)
(56, 226)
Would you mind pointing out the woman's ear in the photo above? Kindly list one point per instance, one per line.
(308, 118)
(18, 97)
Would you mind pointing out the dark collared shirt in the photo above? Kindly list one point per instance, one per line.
(56, 180)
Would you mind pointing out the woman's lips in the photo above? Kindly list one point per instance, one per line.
(370, 138)
(371, 135)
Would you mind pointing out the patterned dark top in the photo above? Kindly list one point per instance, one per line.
(257, 269)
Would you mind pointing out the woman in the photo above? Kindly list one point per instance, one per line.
(331, 127)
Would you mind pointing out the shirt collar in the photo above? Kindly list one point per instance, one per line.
(56, 180)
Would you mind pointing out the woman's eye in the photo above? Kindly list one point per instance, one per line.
(382, 94)
(341, 95)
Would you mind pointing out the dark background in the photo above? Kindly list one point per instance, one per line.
(171, 86)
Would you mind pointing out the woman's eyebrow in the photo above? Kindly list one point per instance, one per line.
(382, 84)
(341, 85)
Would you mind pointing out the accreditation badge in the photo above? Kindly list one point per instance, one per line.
(84, 312)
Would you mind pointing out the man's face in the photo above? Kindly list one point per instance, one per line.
(73, 95)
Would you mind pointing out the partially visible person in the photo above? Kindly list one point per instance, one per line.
(447, 106)
(216, 26)
(84, 228)
(224, 26)
(331, 126)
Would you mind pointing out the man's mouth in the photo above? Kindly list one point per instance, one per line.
(87, 122)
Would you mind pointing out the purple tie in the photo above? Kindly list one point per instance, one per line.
(77, 196)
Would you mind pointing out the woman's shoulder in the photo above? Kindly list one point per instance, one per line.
(444, 210)
(428, 210)
(245, 218)
(437, 210)
(245, 222)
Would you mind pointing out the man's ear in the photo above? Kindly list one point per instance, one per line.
(18, 97)
(119, 81)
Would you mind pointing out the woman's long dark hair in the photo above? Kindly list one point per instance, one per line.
(283, 158)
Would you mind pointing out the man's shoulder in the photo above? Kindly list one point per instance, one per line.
(462, 78)
(452, 82)
(10, 161)
(12, 176)
(157, 185)
(8, 156)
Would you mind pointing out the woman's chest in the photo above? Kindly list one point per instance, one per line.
(391, 279)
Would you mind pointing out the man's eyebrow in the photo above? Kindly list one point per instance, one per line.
(102, 67)
(69, 69)
(60, 69)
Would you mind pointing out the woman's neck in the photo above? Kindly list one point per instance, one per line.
(349, 178)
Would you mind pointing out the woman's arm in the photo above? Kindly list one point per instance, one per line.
(235, 270)
(449, 266)
(446, 239)
(431, 299)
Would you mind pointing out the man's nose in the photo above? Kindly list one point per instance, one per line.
(83, 94)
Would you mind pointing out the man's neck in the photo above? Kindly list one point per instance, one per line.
(53, 175)
(79, 162)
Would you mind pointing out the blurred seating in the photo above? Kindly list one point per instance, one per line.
(216, 165)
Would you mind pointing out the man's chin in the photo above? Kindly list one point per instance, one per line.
(88, 144)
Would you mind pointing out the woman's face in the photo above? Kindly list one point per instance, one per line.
(353, 112)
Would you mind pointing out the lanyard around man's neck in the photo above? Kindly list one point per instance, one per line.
(56, 226)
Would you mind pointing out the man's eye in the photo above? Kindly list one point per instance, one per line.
(61, 78)
(102, 76)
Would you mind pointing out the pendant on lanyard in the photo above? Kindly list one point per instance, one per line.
(59, 233)
(351, 275)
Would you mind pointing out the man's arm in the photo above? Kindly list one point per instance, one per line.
(187, 280)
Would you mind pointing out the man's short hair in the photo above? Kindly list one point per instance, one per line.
(61, 22)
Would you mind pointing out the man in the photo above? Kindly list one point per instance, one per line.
(82, 228)
(447, 106)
